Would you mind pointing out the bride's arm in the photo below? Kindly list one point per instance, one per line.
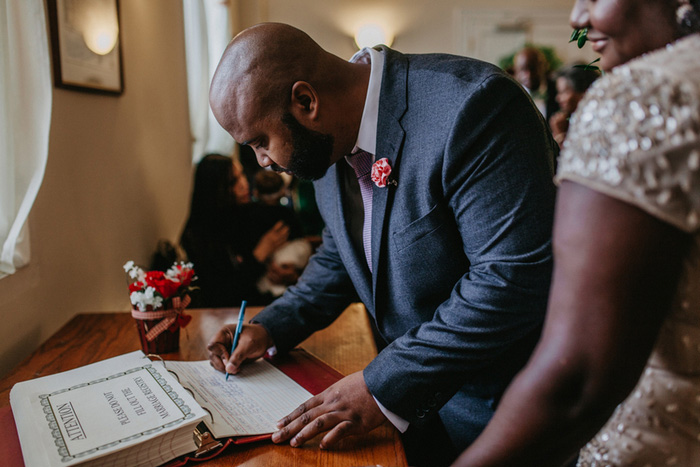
(616, 272)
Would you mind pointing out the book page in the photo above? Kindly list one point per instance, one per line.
(105, 407)
(249, 403)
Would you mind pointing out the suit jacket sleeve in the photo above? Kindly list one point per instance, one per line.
(498, 192)
(322, 292)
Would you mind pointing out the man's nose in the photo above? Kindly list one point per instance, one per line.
(263, 159)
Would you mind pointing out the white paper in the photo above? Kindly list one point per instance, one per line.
(249, 403)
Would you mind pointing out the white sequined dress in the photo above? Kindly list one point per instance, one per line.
(636, 137)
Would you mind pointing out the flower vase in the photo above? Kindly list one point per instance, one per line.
(159, 329)
(166, 341)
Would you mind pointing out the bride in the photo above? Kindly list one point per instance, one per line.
(620, 352)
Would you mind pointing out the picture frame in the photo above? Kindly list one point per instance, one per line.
(86, 45)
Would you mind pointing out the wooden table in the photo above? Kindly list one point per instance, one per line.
(346, 345)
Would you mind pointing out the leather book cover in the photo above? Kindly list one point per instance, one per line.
(10, 449)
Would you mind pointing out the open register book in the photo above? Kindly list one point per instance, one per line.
(132, 410)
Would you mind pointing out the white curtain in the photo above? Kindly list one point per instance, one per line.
(207, 32)
(25, 119)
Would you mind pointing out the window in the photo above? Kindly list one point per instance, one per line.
(25, 119)
(207, 33)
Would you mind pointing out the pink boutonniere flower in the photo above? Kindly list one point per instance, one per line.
(380, 172)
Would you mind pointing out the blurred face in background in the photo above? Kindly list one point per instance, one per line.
(566, 97)
(528, 69)
(239, 186)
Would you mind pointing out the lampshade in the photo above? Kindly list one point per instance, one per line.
(371, 34)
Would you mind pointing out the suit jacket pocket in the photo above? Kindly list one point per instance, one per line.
(419, 228)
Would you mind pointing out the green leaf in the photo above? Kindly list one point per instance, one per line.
(590, 66)
(582, 38)
(574, 35)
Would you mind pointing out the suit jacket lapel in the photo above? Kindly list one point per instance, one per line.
(390, 137)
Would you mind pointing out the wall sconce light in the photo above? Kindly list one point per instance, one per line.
(371, 34)
(99, 25)
(100, 40)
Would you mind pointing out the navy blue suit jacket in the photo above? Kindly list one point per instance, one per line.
(460, 245)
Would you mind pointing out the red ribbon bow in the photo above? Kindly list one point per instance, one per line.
(172, 318)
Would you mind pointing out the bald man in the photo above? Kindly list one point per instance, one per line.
(446, 240)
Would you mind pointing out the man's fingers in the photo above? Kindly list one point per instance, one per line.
(301, 429)
(219, 348)
(340, 431)
(292, 416)
(324, 422)
(217, 355)
(295, 422)
(233, 364)
(302, 411)
(283, 434)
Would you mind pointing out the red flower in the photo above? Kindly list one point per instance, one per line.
(136, 286)
(164, 286)
(186, 276)
(380, 172)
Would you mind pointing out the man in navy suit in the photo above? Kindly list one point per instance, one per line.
(446, 240)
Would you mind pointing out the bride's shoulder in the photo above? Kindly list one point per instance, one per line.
(636, 134)
(648, 103)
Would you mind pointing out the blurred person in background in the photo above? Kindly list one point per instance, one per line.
(530, 69)
(572, 83)
(223, 237)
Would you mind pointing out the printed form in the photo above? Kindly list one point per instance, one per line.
(249, 403)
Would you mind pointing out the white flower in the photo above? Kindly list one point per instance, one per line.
(134, 271)
(145, 298)
(137, 300)
(173, 274)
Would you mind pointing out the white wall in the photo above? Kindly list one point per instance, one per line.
(118, 179)
(420, 26)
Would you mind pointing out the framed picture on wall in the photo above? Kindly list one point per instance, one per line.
(86, 45)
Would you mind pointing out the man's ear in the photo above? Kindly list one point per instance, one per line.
(304, 101)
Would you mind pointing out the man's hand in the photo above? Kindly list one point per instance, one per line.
(282, 274)
(270, 241)
(346, 408)
(559, 124)
(252, 344)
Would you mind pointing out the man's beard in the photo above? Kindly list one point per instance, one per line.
(312, 152)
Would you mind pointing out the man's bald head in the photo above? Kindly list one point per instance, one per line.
(259, 67)
(298, 106)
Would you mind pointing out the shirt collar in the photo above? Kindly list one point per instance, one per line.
(367, 136)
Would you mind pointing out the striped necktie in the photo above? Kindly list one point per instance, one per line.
(361, 162)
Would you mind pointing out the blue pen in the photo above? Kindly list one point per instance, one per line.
(239, 327)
